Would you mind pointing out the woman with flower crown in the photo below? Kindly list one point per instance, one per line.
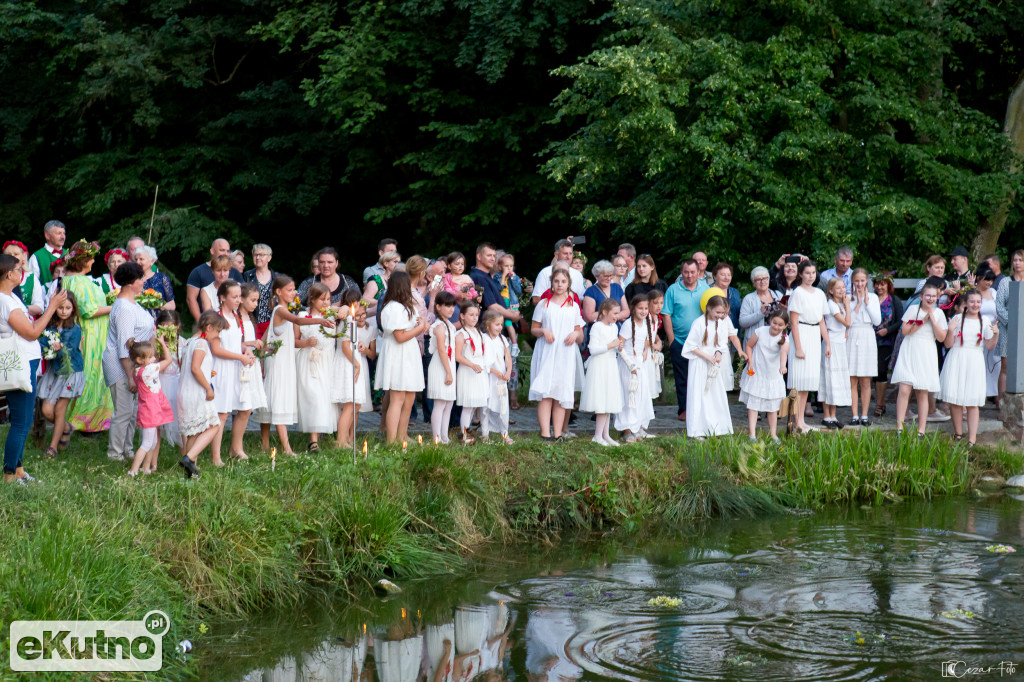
(92, 411)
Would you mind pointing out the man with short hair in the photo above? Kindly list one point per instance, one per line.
(39, 264)
(563, 254)
(701, 259)
(202, 275)
(481, 276)
(628, 251)
(681, 309)
(385, 245)
(960, 267)
(134, 243)
(997, 267)
(843, 270)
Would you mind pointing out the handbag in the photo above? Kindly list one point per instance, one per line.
(15, 373)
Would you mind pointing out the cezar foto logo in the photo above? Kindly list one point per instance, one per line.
(89, 645)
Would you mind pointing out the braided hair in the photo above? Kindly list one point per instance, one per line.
(713, 303)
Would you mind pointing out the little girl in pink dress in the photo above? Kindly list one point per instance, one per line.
(456, 282)
(154, 408)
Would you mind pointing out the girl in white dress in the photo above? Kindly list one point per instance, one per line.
(984, 278)
(170, 378)
(253, 395)
(656, 365)
(637, 336)
(707, 349)
(602, 388)
(314, 371)
(498, 360)
(862, 345)
(361, 340)
(400, 368)
(834, 388)
(197, 413)
(917, 366)
(279, 381)
(762, 382)
(471, 377)
(963, 377)
(558, 327)
(441, 371)
(228, 359)
(807, 309)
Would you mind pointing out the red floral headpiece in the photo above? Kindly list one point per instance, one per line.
(59, 263)
(15, 242)
(120, 252)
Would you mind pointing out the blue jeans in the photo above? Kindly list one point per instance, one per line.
(22, 405)
(680, 368)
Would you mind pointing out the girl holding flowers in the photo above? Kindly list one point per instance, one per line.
(168, 329)
(229, 357)
(315, 371)
(64, 377)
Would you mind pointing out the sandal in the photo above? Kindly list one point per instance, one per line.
(879, 411)
(314, 447)
(65, 439)
(958, 437)
(50, 452)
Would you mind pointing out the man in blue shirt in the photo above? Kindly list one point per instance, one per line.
(481, 276)
(843, 270)
(682, 307)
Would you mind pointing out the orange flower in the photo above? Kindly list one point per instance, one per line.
(750, 372)
(213, 373)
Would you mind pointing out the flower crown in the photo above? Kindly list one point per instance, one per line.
(112, 252)
(15, 242)
(59, 263)
(83, 249)
(579, 254)
(883, 276)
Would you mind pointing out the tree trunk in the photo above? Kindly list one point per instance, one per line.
(987, 237)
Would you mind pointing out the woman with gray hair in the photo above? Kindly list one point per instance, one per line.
(758, 305)
(603, 288)
(145, 256)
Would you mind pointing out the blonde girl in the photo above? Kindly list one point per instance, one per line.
(558, 327)
(314, 371)
(498, 359)
(707, 405)
(154, 408)
(637, 336)
(602, 387)
(441, 371)
(197, 414)
(471, 377)
(862, 345)
(834, 388)
(762, 382)
(352, 359)
(253, 395)
(917, 366)
(229, 357)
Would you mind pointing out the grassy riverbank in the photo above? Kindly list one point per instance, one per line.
(89, 542)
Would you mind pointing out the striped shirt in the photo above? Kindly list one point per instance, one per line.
(128, 320)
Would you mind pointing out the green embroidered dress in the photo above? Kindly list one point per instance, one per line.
(93, 409)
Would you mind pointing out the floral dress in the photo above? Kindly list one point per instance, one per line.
(93, 409)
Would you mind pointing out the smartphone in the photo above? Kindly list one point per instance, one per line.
(579, 240)
(437, 280)
(60, 283)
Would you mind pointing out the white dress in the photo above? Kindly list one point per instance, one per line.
(637, 405)
(764, 390)
(398, 660)
(169, 380)
(195, 412)
(861, 343)
(918, 360)
(553, 366)
(279, 380)
(495, 415)
(992, 357)
(314, 372)
(834, 387)
(399, 367)
(805, 375)
(602, 387)
(436, 388)
(472, 387)
(211, 293)
(252, 395)
(654, 367)
(707, 405)
(963, 379)
(226, 385)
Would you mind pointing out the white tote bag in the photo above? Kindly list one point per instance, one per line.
(15, 373)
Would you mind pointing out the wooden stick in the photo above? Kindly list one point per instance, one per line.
(152, 217)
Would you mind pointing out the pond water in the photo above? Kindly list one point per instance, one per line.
(850, 594)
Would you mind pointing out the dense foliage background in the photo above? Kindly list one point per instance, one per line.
(746, 128)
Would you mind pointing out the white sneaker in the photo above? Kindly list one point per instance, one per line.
(612, 443)
(644, 434)
(938, 416)
(600, 442)
(568, 434)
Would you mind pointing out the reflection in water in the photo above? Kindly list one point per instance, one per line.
(844, 595)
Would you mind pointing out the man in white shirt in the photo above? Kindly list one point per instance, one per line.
(563, 254)
(843, 270)
(39, 264)
(628, 251)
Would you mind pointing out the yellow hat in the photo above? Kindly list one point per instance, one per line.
(713, 291)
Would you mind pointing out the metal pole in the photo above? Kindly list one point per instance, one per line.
(355, 349)
(1015, 339)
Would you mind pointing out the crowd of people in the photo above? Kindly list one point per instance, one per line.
(108, 352)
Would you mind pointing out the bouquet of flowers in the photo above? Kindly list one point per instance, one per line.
(295, 306)
(169, 334)
(112, 296)
(270, 349)
(150, 299)
(527, 291)
(52, 337)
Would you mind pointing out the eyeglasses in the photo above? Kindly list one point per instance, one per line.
(760, 279)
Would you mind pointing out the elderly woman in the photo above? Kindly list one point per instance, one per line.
(92, 411)
(1003, 312)
(128, 320)
(759, 304)
(262, 276)
(238, 260)
(31, 290)
(646, 278)
(722, 277)
(605, 287)
(378, 284)
(114, 259)
(146, 257)
(15, 321)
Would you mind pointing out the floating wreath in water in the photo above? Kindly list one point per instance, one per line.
(1001, 549)
(667, 602)
(958, 614)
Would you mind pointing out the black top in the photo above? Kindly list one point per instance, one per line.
(635, 288)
